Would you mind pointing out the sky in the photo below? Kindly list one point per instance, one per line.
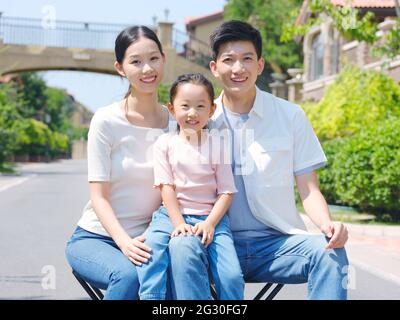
(92, 89)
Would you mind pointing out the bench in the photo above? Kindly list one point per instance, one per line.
(96, 294)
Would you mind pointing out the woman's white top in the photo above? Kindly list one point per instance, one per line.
(122, 154)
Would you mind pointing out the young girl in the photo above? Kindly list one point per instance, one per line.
(197, 188)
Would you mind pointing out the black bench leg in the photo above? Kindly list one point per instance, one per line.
(93, 292)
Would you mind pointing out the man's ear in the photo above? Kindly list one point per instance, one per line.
(119, 69)
(261, 64)
(213, 68)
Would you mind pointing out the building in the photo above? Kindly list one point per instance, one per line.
(199, 30)
(326, 52)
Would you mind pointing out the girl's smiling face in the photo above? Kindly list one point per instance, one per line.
(192, 107)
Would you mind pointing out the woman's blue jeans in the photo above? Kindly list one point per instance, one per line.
(288, 259)
(99, 261)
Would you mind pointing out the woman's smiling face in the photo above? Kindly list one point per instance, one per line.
(143, 65)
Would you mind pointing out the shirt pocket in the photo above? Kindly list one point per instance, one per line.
(274, 161)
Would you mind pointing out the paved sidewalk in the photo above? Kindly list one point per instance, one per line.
(361, 229)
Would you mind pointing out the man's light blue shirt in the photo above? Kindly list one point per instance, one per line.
(243, 223)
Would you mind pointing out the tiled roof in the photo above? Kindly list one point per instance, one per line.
(373, 4)
(367, 3)
(192, 21)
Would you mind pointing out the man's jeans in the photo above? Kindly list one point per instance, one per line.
(288, 259)
(225, 267)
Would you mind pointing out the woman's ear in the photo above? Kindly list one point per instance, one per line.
(171, 108)
(119, 69)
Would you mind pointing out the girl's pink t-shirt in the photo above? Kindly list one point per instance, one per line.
(198, 173)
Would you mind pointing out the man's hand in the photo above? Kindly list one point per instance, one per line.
(206, 229)
(337, 233)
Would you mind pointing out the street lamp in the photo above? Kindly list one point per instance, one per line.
(166, 12)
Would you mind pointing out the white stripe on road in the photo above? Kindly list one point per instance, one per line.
(17, 182)
(376, 272)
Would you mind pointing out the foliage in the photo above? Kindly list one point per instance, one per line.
(59, 108)
(163, 93)
(391, 43)
(356, 100)
(8, 115)
(35, 119)
(268, 16)
(364, 169)
(31, 96)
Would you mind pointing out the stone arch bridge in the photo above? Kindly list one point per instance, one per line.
(36, 45)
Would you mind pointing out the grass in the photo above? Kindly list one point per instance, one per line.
(351, 215)
(7, 168)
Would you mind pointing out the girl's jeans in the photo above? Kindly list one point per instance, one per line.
(221, 254)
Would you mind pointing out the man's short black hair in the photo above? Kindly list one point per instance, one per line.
(235, 30)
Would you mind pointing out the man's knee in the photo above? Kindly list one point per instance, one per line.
(335, 257)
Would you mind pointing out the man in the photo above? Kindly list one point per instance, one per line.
(273, 145)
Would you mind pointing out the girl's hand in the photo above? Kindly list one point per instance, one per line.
(135, 249)
(206, 229)
(183, 229)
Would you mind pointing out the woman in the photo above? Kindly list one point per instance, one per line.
(108, 242)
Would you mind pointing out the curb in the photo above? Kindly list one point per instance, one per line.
(360, 229)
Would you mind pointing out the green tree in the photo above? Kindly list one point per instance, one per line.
(59, 108)
(32, 99)
(8, 118)
(268, 16)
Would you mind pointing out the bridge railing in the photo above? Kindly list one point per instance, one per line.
(58, 33)
(191, 48)
(99, 36)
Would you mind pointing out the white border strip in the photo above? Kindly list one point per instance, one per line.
(15, 183)
(375, 271)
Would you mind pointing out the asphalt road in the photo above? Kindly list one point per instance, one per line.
(39, 211)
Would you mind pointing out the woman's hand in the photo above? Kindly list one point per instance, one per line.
(135, 249)
(206, 229)
(183, 229)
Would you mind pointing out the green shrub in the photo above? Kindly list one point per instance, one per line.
(356, 100)
(326, 175)
(365, 168)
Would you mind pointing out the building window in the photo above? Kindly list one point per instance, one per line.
(317, 57)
